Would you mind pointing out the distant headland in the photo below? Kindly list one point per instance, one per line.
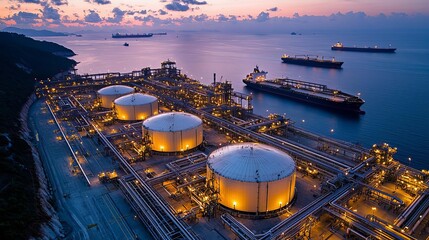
(34, 32)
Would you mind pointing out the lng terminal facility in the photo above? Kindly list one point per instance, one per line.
(307, 92)
(153, 153)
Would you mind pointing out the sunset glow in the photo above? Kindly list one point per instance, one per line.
(121, 13)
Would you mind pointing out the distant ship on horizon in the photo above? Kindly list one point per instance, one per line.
(314, 61)
(340, 47)
(144, 35)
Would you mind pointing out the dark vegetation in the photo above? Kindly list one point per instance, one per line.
(22, 60)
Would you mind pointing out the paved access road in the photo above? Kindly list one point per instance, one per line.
(87, 212)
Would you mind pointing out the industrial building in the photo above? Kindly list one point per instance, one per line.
(173, 131)
(252, 177)
(210, 167)
(135, 106)
(108, 94)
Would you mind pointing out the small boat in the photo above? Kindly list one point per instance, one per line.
(78, 35)
(340, 47)
(313, 61)
(307, 92)
(126, 44)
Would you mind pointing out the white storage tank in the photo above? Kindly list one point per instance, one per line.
(108, 94)
(252, 177)
(136, 106)
(174, 131)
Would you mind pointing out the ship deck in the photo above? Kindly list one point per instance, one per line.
(310, 59)
(315, 91)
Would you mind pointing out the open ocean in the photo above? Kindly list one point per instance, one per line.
(395, 87)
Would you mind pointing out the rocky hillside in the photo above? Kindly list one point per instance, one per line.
(22, 60)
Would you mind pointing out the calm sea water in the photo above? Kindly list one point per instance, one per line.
(394, 86)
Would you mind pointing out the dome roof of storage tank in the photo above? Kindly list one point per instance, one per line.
(172, 121)
(135, 99)
(115, 90)
(251, 162)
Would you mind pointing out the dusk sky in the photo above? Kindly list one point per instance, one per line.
(87, 14)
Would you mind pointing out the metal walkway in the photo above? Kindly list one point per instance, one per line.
(155, 213)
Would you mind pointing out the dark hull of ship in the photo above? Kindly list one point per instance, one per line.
(132, 36)
(313, 63)
(344, 106)
(365, 49)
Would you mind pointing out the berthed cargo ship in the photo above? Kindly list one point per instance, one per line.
(313, 61)
(340, 47)
(308, 92)
(144, 35)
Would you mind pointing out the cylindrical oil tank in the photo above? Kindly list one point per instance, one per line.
(173, 131)
(108, 94)
(252, 177)
(136, 106)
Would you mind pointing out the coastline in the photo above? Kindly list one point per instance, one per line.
(28, 207)
(51, 229)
